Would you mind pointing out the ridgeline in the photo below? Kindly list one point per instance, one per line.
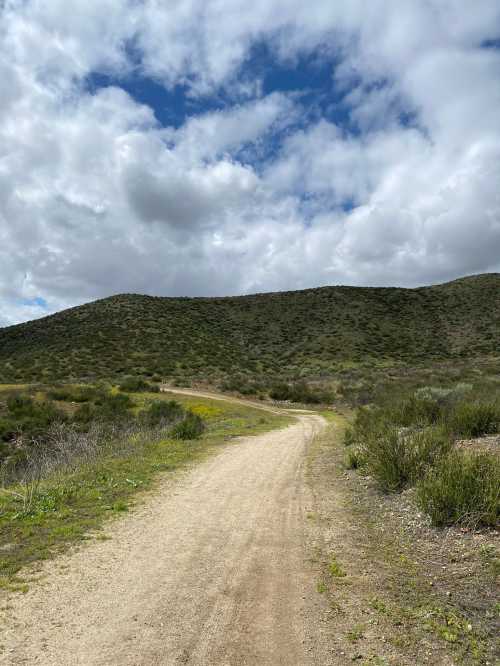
(296, 333)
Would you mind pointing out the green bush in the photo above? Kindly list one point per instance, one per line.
(396, 458)
(75, 394)
(28, 416)
(280, 391)
(85, 413)
(61, 394)
(115, 407)
(21, 405)
(163, 412)
(300, 392)
(463, 488)
(137, 385)
(473, 419)
(443, 395)
(367, 423)
(8, 429)
(415, 411)
(191, 427)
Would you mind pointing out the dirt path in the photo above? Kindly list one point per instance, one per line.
(225, 398)
(212, 569)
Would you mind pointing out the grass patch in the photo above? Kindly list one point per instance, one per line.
(335, 570)
(355, 634)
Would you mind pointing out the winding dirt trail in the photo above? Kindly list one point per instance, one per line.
(212, 569)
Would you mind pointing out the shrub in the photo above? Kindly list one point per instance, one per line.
(397, 458)
(238, 384)
(443, 395)
(115, 407)
(415, 411)
(280, 391)
(21, 405)
(136, 385)
(367, 422)
(300, 392)
(88, 393)
(61, 394)
(181, 382)
(464, 487)
(191, 427)
(163, 412)
(473, 419)
(30, 417)
(8, 429)
(85, 413)
(75, 394)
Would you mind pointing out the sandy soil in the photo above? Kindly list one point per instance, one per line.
(211, 569)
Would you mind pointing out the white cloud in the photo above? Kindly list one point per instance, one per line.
(97, 198)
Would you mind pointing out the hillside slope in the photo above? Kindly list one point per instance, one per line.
(287, 332)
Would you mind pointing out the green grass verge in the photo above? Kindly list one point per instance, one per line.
(71, 506)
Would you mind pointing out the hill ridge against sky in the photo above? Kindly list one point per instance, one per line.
(295, 333)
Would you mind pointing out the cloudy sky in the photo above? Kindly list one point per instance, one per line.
(209, 147)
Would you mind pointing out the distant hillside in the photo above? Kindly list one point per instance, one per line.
(296, 332)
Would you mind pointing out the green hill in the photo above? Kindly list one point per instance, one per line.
(290, 333)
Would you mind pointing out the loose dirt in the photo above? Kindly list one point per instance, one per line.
(211, 569)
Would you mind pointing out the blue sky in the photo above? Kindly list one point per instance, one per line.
(38, 302)
(308, 77)
(196, 148)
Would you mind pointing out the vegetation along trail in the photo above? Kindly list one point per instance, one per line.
(212, 569)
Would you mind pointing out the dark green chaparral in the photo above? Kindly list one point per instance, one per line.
(293, 334)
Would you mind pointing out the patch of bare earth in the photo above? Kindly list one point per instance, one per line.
(399, 591)
(487, 444)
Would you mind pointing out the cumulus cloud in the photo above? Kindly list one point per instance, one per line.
(259, 189)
